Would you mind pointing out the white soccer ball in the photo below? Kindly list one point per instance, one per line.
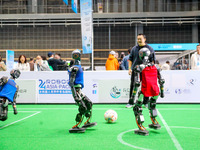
(110, 116)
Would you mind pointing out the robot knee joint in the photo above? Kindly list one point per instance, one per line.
(153, 113)
(152, 104)
(137, 110)
(78, 117)
(82, 109)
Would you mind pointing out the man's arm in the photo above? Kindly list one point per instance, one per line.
(129, 67)
(59, 62)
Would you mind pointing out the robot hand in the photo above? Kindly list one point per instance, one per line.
(162, 95)
(14, 108)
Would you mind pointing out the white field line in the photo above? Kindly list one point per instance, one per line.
(120, 139)
(23, 111)
(20, 120)
(176, 143)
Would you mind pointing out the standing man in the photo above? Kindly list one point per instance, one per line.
(125, 60)
(54, 62)
(166, 66)
(135, 60)
(195, 59)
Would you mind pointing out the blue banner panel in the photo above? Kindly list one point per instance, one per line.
(175, 46)
(66, 2)
(10, 59)
(74, 4)
(86, 26)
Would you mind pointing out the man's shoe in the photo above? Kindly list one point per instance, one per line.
(129, 106)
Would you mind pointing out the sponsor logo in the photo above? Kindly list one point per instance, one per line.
(178, 91)
(166, 91)
(192, 82)
(115, 92)
(54, 86)
(94, 91)
(182, 91)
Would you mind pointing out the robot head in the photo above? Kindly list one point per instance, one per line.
(15, 73)
(144, 54)
(76, 55)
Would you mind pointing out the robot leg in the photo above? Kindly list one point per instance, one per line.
(79, 117)
(153, 113)
(145, 102)
(14, 101)
(4, 110)
(88, 113)
(139, 117)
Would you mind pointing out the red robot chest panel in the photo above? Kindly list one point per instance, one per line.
(149, 82)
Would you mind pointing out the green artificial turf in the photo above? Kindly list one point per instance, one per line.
(45, 127)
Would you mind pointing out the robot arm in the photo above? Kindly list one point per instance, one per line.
(137, 81)
(161, 82)
(3, 80)
(73, 74)
(14, 101)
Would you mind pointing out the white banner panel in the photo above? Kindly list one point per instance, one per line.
(86, 26)
(181, 86)
(27, 91)
(114, 92)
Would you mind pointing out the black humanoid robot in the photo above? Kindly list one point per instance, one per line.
(147, 74)
(84, 103)
(8, 93)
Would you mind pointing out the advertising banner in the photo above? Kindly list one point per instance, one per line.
(86, 26)
(114, 92)
(28, 92)
(74, 4)
(9, 59)
(175, 46)
(181, 86)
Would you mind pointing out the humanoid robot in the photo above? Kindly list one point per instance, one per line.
(8, 93)
(84, 103)
(147, 74)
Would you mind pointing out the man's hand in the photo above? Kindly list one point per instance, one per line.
(129, 71)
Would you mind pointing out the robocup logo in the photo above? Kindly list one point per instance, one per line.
(115, 92)
(54, 86)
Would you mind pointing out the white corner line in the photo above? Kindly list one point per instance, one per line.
(176, 143)
(20, 120)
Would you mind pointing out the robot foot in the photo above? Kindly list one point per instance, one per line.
(77, 130)
(88, 125)
(155, 126)
(141, 132)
